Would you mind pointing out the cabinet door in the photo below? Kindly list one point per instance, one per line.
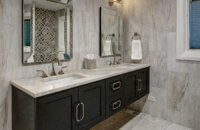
(142, 82)
(92, 98)
(130, 88)
(55, 112)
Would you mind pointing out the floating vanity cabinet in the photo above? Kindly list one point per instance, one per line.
(136, 85)
(80, 107)
(92, 96)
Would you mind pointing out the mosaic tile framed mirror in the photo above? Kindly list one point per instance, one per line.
(47, 31)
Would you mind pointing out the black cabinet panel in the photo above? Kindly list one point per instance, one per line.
(55, 112)
(93, 98)
(23, 107)
(130, 87)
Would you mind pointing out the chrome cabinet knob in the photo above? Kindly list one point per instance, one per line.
(139, 85)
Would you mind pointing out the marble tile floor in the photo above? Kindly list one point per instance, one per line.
(125, 120)
(147, 122)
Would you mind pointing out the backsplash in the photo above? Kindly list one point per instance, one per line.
(85, 40)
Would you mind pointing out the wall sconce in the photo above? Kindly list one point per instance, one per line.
(111, 2)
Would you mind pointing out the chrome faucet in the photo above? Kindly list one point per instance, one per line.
(118, 62)
(61, 72)
(53, 72)
(115, 62)
(44, 75)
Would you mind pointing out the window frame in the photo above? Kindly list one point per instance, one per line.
(183, 50)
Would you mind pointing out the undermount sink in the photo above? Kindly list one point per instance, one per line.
(63, 78)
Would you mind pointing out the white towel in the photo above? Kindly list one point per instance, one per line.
(107, 48)
(136, 50)
(31, 59)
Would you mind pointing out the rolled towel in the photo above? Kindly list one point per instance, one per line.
(107, 48)
(136, 50)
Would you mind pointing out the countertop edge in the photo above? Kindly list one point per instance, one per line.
(67, 87)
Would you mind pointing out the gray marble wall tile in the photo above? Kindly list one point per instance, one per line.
(177, 85)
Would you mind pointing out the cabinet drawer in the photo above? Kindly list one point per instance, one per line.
(114, 105)
(114, 86)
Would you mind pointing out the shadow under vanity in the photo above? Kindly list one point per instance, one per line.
(77, 105)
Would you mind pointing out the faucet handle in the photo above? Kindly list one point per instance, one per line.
(118, 62)
(61, 71)
(44, 75)
(110, 63)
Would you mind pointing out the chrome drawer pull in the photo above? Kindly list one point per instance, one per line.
(77, 112)
(139, 84)
(117, 85)
(117, 104)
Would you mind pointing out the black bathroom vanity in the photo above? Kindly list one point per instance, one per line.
(80, 107)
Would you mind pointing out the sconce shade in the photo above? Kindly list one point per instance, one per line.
(111, 2)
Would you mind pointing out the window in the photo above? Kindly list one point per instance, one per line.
(188, 30)
(195, 24)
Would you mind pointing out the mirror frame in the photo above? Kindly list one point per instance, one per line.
(100, 36)
(38, 63)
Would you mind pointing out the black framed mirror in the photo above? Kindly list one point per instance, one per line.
(111, 30)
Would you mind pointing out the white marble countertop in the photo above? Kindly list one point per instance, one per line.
(37, 87)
